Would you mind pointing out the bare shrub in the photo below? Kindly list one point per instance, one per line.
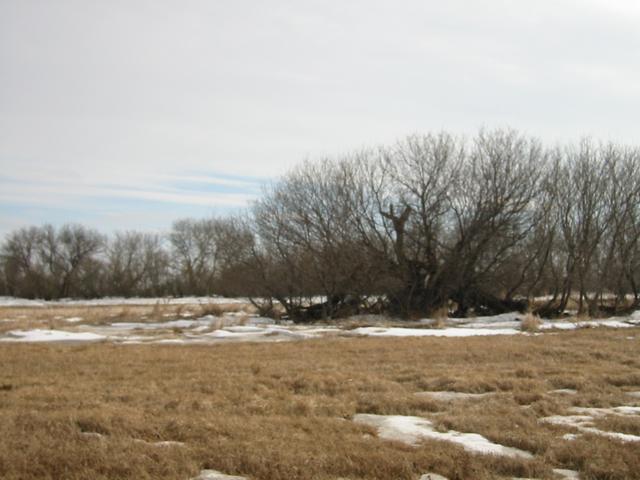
(211, 309)
(530, 323)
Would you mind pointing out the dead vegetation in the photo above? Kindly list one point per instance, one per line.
(62, 316)
(530, 323)
(282, 411)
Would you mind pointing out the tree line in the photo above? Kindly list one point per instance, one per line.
(432, 223)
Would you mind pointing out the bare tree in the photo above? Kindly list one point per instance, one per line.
(136, 264)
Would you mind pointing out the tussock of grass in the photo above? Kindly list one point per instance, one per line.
(211, 309)
(530, 323)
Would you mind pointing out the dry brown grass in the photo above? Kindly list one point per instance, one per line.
(55, 316)
(281, 411)
(530, 323)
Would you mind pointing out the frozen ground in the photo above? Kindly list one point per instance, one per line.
(186, 328)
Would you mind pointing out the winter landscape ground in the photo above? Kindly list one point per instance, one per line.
(187, 388)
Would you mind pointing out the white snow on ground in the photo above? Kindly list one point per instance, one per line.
(431, 332)
(452, 396)
(601, 412)
(226, 328)
(50, 336)
(205, 321)
(583, 421)
(215, 475)
(567, 325)
(73, 319)
(513, 320)
(165, 443)
(564, 391)
(567, 474)
(563, 473)
(411, 430)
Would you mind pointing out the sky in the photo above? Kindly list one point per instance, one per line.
(129, 114)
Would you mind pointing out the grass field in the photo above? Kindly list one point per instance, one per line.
(284, 410)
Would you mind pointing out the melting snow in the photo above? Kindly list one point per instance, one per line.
(583, 421)
(73, 319)
(610, 322)
(600, 412)
(564, 391)
(215, 475)
(165, 443)
(451, 396)
(567, 474)
(432, 332)
(411, 430)
(50, 336)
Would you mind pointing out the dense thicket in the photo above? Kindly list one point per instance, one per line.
(433, 222)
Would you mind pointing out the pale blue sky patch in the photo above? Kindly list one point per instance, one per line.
(152, 203)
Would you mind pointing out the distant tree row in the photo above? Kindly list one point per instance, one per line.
(75, 261)
(432, 223)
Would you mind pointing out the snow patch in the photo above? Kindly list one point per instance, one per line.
(567, 474)
(567, 325)
(215, 475)
(564, 391)
(601, 412)
(411, 430)
(165, 443)
(73, 319)
(583, 421)
(452, 396)
(39, 335)
(431, 332)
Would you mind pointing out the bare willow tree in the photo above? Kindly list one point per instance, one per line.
(23, 273)
(618, 257)
(447, 215)
(194, 255)
(423, 223)
(52, 263)
(136, 264)
(309, 246)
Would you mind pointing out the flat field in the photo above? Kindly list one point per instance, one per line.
(286, 410)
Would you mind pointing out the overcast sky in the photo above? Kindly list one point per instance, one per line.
(128, 113)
